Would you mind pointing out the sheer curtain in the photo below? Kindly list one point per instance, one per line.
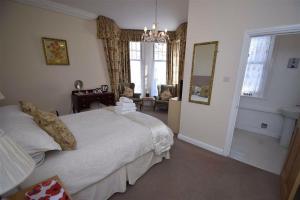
(256, 68)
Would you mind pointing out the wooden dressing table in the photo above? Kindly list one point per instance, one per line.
(82, 99)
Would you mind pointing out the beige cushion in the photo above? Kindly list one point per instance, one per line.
(128, 92)
(166, 95)
(50, 123)
(28, 107)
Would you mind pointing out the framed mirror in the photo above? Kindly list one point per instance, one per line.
(204, 61)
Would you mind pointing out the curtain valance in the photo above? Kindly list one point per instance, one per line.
(107, 28)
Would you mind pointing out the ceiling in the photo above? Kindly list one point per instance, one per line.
(129, 14)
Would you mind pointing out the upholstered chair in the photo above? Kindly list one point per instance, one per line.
(136, 97)
(164, 102)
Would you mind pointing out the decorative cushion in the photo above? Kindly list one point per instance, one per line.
(28, 107)
(204, 92)
(165, 95)
(56, 129)
(128, 92)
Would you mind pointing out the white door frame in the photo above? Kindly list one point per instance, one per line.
(290, 29)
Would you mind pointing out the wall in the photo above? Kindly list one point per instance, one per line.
(282, 89)
(226, 22)
(23, 72)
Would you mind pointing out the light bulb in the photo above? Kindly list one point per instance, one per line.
(145, 29)
(153, 26)
(166, 30)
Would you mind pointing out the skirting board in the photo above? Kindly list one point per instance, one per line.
(202, 145)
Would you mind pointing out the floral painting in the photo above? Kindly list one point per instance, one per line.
(56, 51)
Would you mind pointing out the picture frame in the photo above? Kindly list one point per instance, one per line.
(55, 51)
(104, 88)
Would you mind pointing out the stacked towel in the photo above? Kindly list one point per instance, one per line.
(125, 105)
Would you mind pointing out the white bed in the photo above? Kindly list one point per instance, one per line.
(112, 149)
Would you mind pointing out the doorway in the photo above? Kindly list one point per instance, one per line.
(268, 82)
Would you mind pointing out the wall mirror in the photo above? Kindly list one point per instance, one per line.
(204, 60)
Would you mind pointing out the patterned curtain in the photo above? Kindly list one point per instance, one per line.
(176, 54)
(125, 61)
(109, 32)
(181, 36)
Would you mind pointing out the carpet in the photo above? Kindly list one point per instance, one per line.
(196, 174)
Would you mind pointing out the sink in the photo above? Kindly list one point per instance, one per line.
(290, 115)
(290, 112)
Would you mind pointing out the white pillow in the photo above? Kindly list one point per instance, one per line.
(23, 130)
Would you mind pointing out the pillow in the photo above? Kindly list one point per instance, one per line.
(204, 92)
(128, 92)
(28, 107)
(165, 95)
(20, 127)
(56, 129)
(38, 158)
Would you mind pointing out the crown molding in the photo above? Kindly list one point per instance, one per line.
(61, 8)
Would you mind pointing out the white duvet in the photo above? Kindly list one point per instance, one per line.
(106, 141)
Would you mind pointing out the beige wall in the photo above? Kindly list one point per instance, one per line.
(225, 21)
(23, 72)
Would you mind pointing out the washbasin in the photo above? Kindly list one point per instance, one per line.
(290, 112)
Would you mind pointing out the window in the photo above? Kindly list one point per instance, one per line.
(257, 64)
(135, 65)
(148, 66)
(160, 66)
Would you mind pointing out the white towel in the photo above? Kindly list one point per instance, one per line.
(125, 100)
(125, 104)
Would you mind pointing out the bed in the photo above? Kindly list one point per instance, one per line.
(112, 150)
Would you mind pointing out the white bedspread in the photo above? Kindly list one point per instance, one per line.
(162, 135)
(106, 141)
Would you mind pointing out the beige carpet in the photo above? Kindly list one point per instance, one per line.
(196, 174)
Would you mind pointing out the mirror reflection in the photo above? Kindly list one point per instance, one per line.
(204, 59)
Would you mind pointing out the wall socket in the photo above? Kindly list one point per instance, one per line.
(264, 125)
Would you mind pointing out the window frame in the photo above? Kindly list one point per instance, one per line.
(267, 65)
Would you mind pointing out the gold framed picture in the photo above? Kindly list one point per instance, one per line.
(56, 51)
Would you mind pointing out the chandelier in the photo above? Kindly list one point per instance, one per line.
(154, 35)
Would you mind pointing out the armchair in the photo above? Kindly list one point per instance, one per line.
(159, 102)
(136, 97)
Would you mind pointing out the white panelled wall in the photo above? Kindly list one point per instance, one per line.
(282, 89)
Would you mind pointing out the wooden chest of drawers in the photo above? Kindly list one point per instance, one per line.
(83, 99)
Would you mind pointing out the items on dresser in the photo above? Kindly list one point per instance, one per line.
(82, 99)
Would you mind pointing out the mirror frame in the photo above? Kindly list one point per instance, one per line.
(216, 43)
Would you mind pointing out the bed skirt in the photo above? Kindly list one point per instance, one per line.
(116, 182)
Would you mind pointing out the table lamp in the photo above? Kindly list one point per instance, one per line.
(15, 164)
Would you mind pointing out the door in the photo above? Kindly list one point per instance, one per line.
(290, 175)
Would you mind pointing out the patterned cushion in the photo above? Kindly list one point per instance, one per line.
(50, 123)
(165, 95)
(128, 92)
(204, 91)
(28, 107)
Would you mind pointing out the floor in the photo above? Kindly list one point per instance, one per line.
(196, 174)
(258, 150)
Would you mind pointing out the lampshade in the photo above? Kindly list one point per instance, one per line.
(1, 96)
(15, 164)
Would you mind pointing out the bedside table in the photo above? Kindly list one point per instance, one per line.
(148, 101)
